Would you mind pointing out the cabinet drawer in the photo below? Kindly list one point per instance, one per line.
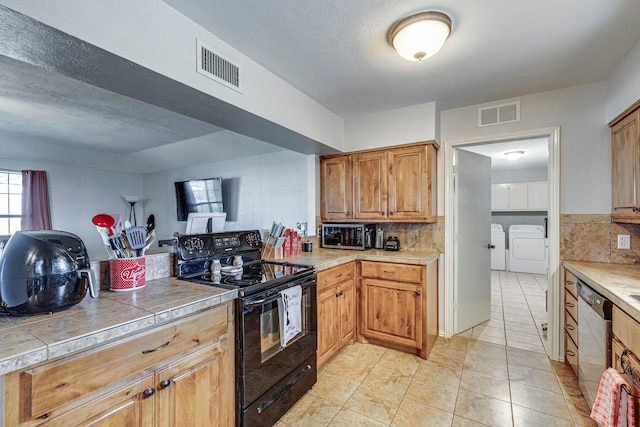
(55, 383)
(626, 329)
(571, 327)
(571, 283)
(571, 353)
(390, 271)
(335, 275)
(571, 304)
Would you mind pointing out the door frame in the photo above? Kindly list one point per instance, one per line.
(554, 273)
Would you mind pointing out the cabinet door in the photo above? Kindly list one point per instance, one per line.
(409, 184)
(392, 312)
(335, 188)
(518, 196)
(131, 405)
(347, 302)
(538, 196)
(328, 316)
(624, 168)
(617, 348)
(370, 185)
(499, 197)
(197, 390)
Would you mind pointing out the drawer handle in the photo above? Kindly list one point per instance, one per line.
(389, 272)
(165, 384)
(156, 349)
(569, 304)
(338, 276)
(570, 353)
(339, 294)
(149, 392)
(570, 327)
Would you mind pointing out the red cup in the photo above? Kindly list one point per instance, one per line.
(127, 274)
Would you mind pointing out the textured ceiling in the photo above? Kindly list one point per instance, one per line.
(337, 51)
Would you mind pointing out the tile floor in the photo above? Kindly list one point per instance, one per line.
(496, 374)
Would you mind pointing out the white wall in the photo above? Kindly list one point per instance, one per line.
(393, 127)
(519, 175)
(623, 85)
(77, 194)
(259, 190)
(156, 36)
(585, 182)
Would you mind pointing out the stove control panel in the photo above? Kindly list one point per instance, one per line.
(195, 246)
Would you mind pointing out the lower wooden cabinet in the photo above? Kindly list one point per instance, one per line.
(336, 310)
(626, 336)
(571, 320)
(175, 375)
(398, 305)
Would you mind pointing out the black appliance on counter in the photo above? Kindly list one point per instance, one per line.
(43, 271)
(270, 378)
(348, 236)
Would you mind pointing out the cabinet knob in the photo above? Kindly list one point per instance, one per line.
(490, 246)
(418, 293)
(165, 384)
(382, 213)
(148, 393)
(337, 294)
(390, 212)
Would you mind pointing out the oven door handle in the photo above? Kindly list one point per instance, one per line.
(262, 301)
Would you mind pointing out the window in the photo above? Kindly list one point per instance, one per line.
(10, 202)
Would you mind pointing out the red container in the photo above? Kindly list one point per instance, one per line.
(127, 274)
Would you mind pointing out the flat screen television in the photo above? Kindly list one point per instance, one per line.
(198, 195)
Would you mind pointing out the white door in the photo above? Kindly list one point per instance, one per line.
(472, 228)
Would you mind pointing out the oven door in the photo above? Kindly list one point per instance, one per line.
(263, 362)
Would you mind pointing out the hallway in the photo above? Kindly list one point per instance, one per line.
(495, 374)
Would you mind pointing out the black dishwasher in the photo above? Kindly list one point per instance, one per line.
(594, 340)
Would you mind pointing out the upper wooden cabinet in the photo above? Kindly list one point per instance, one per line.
(336, 183)
(625, 168)
(391, 185)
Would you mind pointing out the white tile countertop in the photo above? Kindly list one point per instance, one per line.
(27, 340)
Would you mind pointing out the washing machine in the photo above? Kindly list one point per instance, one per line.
(528, 249)
(498, 245)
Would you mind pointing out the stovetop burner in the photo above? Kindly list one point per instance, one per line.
(260, 271)
(196, 253)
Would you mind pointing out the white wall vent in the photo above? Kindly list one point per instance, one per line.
(218, 68)
(499, 114)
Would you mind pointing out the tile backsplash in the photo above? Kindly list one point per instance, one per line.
(585, 237)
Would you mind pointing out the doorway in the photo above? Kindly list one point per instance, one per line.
(551, 138)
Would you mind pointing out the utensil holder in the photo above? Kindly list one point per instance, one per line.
(127, 274)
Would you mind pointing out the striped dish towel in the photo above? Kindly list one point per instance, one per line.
(614, 406)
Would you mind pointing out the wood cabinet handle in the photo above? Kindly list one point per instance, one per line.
(348, 214)
(148, 393)
(390, 212)
(570, 353)
(389, 272)
(569, 304)
(418, 293)
(165, 384)
(339, 294)
(160, 347)
(569, 282)
(570, 327)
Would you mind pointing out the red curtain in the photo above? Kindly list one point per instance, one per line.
(36, 213)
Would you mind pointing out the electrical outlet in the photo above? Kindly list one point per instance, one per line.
(624, 241)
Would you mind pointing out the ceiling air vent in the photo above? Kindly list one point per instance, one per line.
(499, 114)
(214, 66)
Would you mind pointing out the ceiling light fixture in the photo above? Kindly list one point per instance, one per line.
(421, 35)
(513, 155)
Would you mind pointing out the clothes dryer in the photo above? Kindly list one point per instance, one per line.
(497, 247)
(528, 249)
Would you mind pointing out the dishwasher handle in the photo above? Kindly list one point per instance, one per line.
(601, 305)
